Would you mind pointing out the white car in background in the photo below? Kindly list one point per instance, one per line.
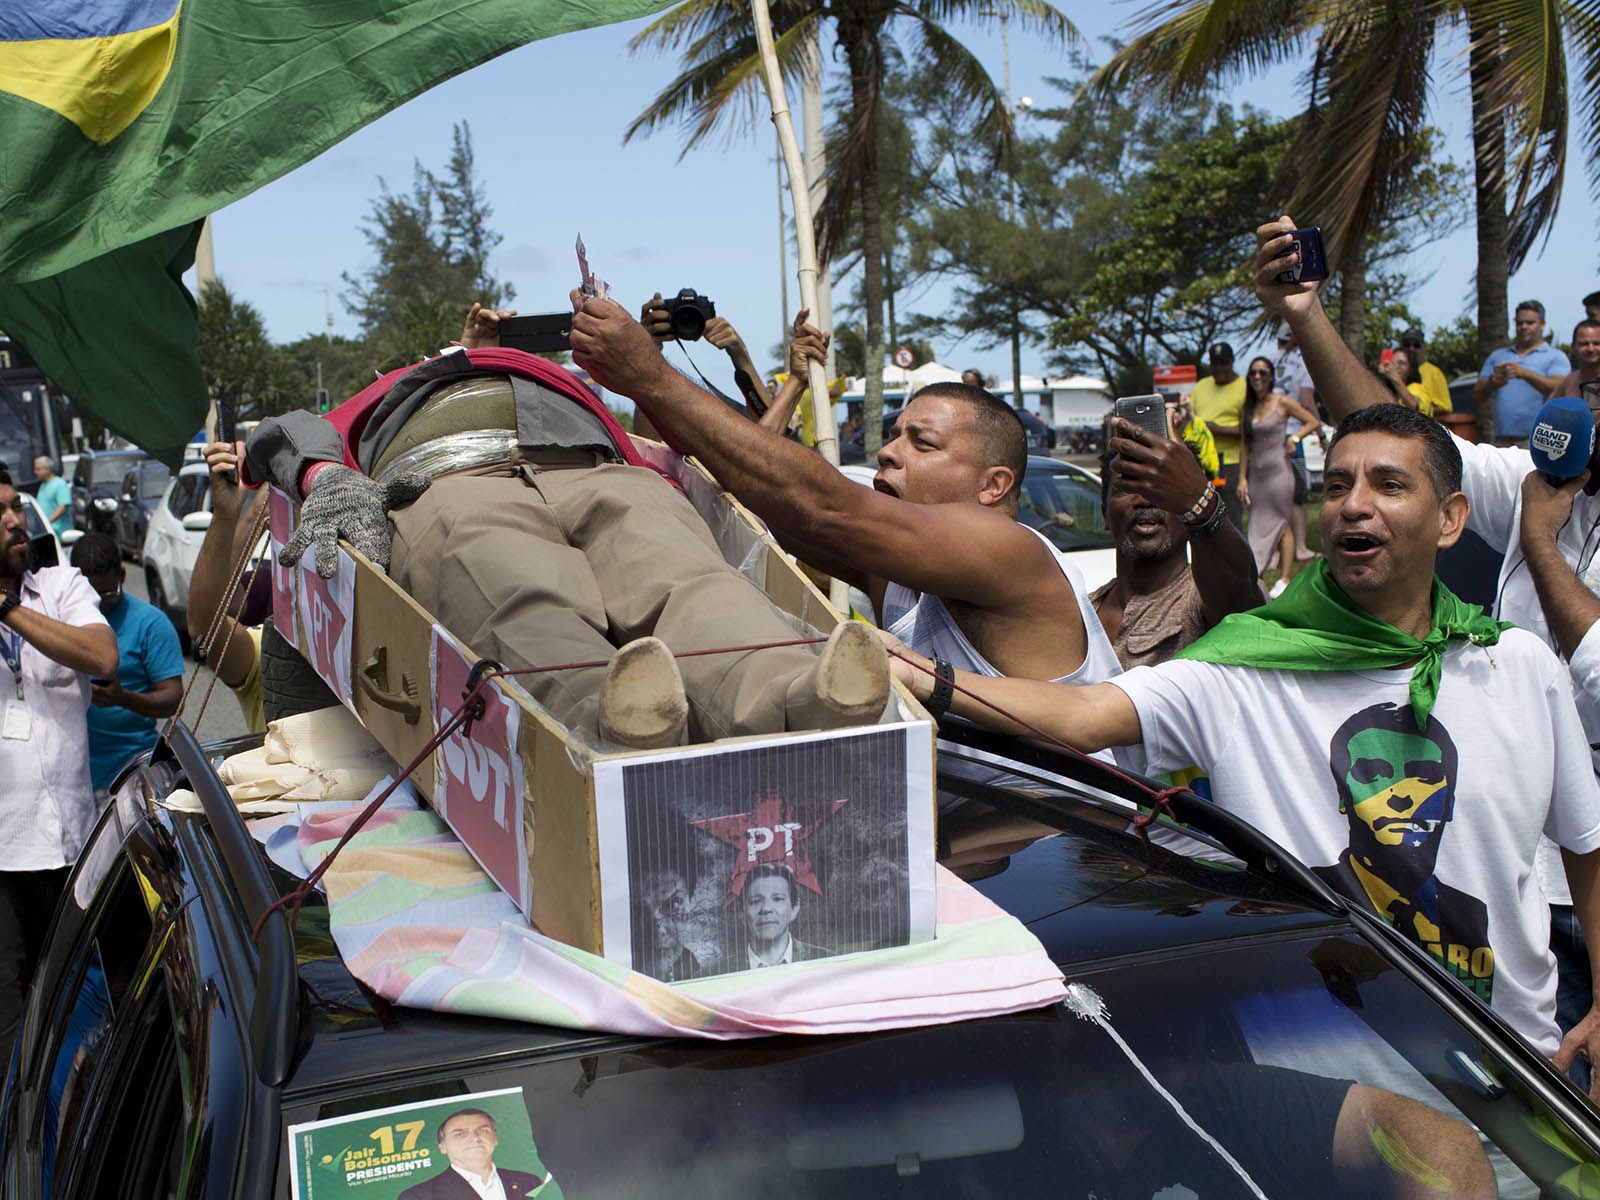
(178, 525)
(1059, 499)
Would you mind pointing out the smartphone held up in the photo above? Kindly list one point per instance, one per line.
(1312, 261)
(1147, 412)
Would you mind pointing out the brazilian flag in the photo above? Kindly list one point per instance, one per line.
(127, 121)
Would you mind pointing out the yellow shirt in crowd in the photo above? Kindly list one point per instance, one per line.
(1221, 404)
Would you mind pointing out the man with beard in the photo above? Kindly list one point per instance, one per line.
(1158, 603)
(1268, 692)
(52, 639)
(1397, 790)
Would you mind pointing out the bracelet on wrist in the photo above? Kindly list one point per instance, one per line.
(1196, 514)
(1209, 526)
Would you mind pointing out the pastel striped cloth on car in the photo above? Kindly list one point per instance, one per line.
(418, 921)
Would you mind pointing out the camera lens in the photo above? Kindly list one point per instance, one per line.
(688, 323)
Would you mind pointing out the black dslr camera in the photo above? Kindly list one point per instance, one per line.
(690, 311)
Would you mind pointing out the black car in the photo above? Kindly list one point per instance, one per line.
(139, 494)
(1222, 1006)
(96, 488)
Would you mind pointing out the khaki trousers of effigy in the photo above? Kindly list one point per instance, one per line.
(560, 564)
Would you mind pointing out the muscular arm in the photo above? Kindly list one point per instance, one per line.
(1224, 570)
(1408, 1150)
(91, 649)
(1341, 381)
(848, 530)
(231, 653)
(1089, 717)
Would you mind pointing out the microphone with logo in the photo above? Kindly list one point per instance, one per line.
(1562, 441)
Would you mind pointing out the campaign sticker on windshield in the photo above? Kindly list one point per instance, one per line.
(327, 615)
(476, 1144)
(280, 522)
(478, 778)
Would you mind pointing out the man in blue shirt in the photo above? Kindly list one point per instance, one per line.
(1520, 377)
(55, 494)
(149, 682)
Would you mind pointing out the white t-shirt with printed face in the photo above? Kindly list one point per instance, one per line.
(1440, 825)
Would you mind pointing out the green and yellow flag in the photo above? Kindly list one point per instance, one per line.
(127, 121)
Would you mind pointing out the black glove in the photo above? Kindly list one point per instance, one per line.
(347, 504)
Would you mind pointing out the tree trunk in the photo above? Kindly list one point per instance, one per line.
(1353, 298)
(1489, 179)
(862, 53)
(888, 293)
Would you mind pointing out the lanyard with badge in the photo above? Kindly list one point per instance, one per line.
(16, 725)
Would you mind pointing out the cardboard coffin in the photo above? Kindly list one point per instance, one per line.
(667, 861)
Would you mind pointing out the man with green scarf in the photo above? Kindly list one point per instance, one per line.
(1426, 795)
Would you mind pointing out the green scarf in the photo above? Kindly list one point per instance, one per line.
(1314, 626)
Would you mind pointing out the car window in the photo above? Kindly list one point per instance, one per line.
(154, 478)
(36, 523)
(1149, 1084)
(1064, 507)
(183, 499)
(87, 1021)
(106, 472)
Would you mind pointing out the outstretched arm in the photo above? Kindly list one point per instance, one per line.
(838, 526)
(1089, 717)
(1342, 382)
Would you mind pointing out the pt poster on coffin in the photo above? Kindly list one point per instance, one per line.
(728, 858)
(431, 1150)
(478, 780)
(280, 514)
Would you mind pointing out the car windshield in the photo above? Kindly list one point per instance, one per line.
(1064, 506)
(1290, 1068)
(107, 472)
(154, 479)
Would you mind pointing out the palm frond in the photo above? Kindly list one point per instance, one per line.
(1362, 134)
(1530, 90)
(1032, 17)
(1187, 46)
(721, 83)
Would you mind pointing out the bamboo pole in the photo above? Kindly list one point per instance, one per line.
(805, 248)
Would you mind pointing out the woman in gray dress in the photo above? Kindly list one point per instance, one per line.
(1266, 478)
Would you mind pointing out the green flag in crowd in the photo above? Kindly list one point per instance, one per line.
(127, 121)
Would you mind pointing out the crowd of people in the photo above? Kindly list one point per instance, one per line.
(1474, 835)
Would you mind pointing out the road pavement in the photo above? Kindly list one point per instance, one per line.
(221, 716)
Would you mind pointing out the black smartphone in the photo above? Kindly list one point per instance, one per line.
(1313, 262)
(1147, 412)
(541, 333)
(227, 425)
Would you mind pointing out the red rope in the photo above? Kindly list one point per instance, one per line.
(1160, 800)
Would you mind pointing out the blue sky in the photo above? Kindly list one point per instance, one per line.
(547, 122)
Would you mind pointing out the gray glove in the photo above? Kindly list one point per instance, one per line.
(347, 504)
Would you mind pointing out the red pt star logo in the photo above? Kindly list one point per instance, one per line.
(768, 833)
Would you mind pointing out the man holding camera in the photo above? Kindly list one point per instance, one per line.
(936, 544)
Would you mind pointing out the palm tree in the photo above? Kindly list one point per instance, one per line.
(1368, 92)
(721, 79)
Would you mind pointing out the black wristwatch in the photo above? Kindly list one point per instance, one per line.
(944, 689)
(8, 601)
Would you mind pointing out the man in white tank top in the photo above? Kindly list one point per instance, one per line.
(936, 544)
